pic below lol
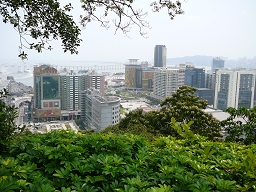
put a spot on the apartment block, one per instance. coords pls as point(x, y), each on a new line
point(234, 88)
point(167, 81)
point(194, 77)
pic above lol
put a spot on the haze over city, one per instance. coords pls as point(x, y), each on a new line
point(174, 110)
point(213, 28)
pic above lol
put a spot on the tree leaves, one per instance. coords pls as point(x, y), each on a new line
point(41, 20)
point(184, 106)
point(241, 125)
point(45, 20)
point(7, 124)
point(137, 165)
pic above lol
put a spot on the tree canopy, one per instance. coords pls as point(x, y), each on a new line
point(240, 125)
point(184, 106)
point(7, 124)
point(45, 20)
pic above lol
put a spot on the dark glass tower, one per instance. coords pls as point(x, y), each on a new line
point(160, 56)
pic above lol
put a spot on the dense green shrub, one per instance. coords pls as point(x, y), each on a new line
point(65, 161)
point(7, 124)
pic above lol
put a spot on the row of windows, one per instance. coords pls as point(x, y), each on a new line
point(115, 117)
point(113, 122)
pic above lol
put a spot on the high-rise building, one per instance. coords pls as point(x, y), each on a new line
point(234, 88)
point(167, 81)
point(217, 63)
point(99, 112)
point(71, 87)
point(194, 77)
point(139, 76)
point(160, 52)
point(47, 104)
point(205, 94)
point(96, 81)
point(147, 79)
point(57, 96)
point(133, 75)
point(209, 80)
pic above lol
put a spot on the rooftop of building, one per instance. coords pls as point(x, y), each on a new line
point(107, 99)
point(46, 127)
point(219, 114)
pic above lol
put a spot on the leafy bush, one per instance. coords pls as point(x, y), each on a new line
point(65, 161)
point(7, 124)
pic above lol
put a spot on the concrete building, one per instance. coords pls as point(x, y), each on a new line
point(139, 76)
point(133, 75)
point(209, 81)
point(47, 103)
point(96, 81)
point(194, 77)
point(99, 112)
point(234, 88)
point(160, 52)
point(217, 63)
point(205, 94)
point(71, 87)
point(148, 79)
point(167, 81)
point(58, 96)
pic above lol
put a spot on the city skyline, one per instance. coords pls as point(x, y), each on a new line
point(227, 32)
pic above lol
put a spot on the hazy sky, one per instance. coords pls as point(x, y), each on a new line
point(208, 27)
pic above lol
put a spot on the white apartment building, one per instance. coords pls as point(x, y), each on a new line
point(99, 112)
point(234, 88)
point(96, 81)
point(167, 81)
point(71, 87)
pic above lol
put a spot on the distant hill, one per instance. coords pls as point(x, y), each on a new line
point(206, 61)
point(197, 60)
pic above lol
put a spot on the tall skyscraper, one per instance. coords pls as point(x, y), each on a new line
point(160, 56)
point(234, 88)
point(217, 63)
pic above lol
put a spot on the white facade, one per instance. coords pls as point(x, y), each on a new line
point(99, 112)
point(71, 87)
point(167, 81)
point(105, 112)
point(234, 88)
